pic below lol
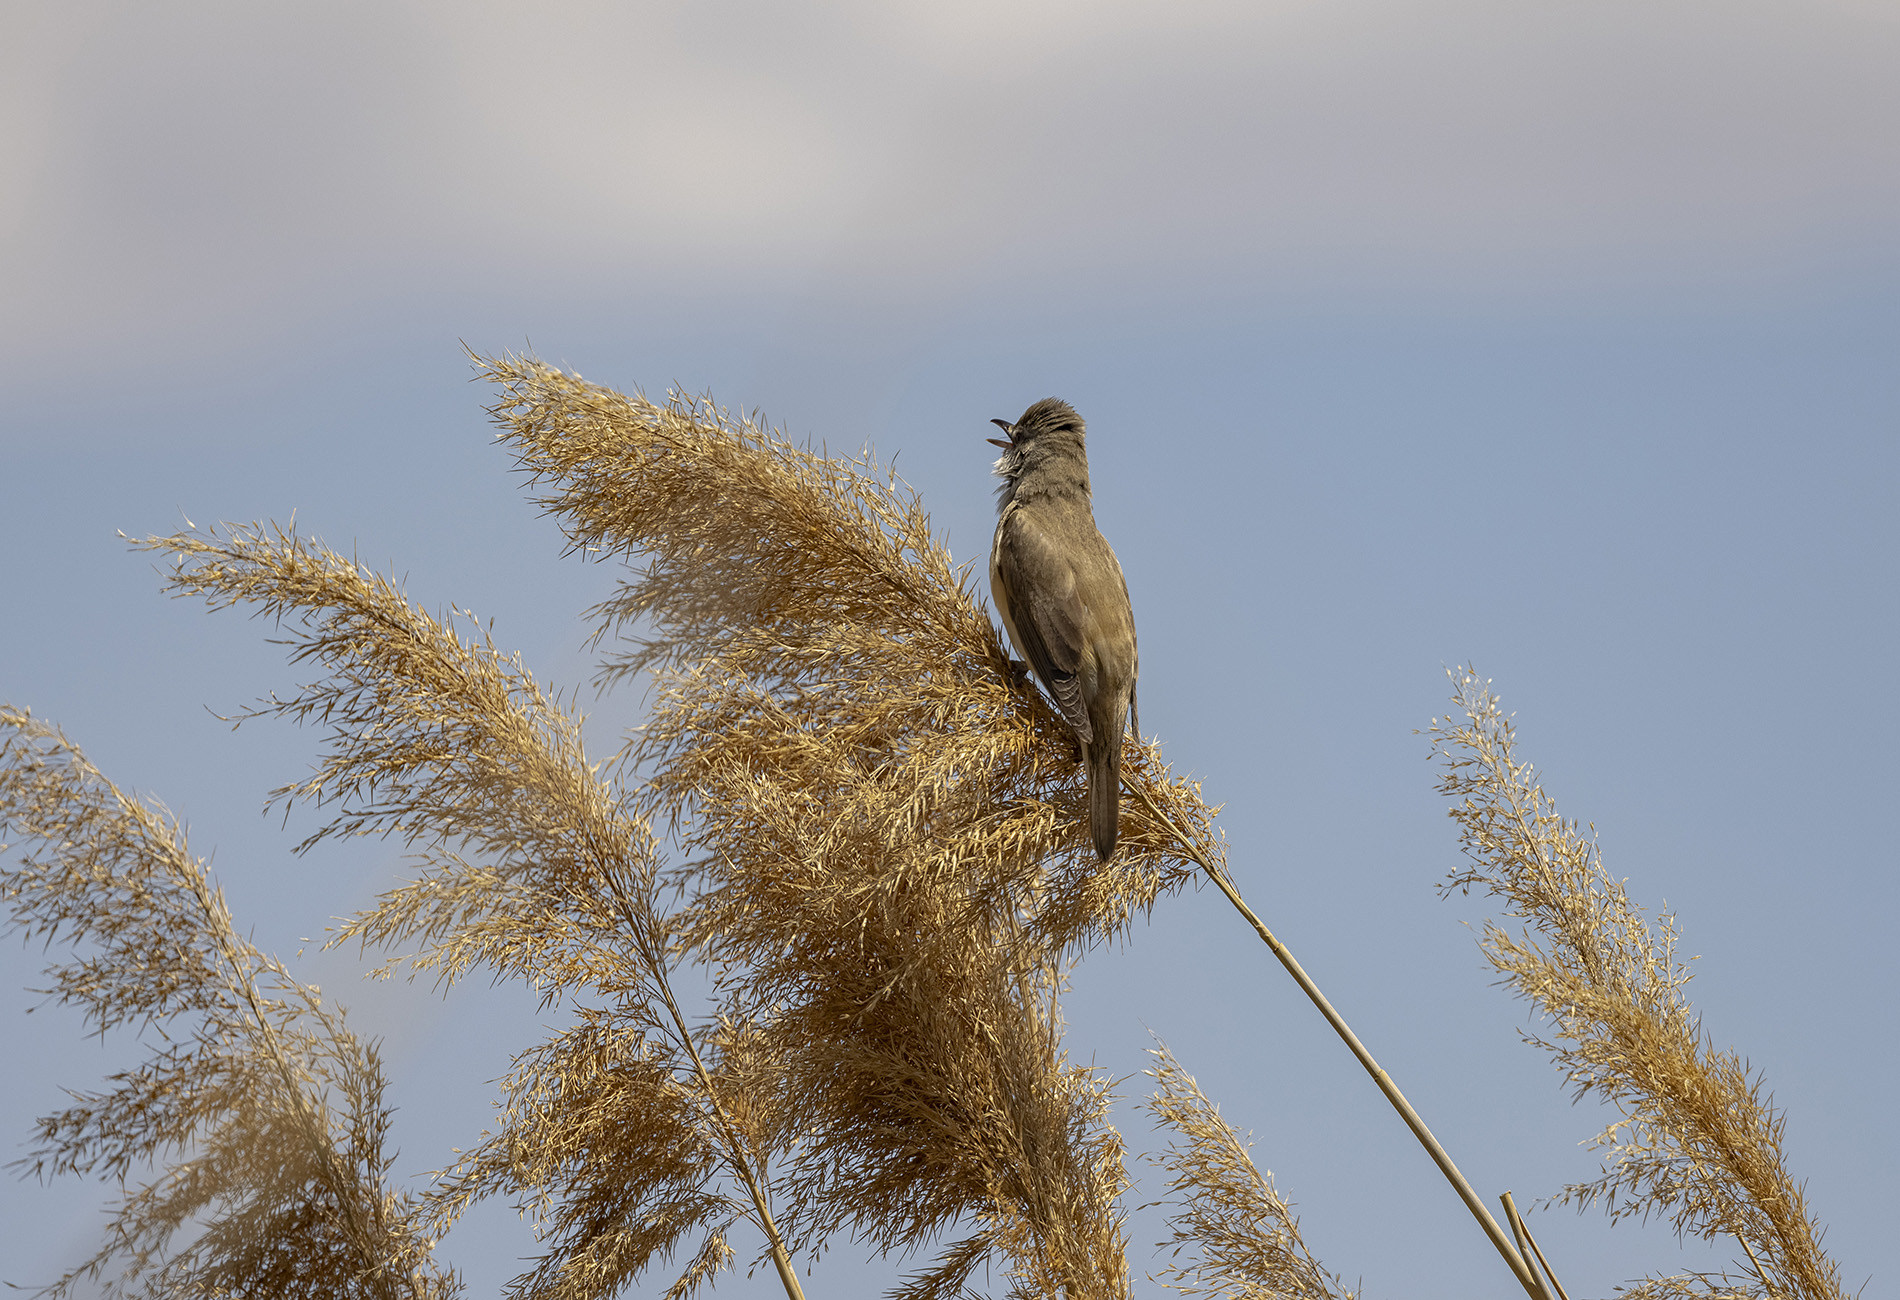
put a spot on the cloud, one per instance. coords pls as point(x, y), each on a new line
point(173, 169)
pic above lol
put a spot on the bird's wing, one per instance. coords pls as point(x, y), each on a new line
point(1046, 612)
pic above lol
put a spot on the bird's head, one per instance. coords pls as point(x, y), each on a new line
point(1049, 434)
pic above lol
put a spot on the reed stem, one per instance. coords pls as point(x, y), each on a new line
point(1526, 1276)
point(1527, 1246)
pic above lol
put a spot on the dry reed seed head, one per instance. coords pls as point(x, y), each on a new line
point(282, 1192)
point(801, 618)
point(533, 866)
point(1699, 1142)
point(1244, 1237)
point(930, 1092)
point(911, 1071)
point(447, 743)
point(601, 1141)
point(887, 835)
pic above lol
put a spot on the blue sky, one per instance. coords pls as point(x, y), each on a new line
point(1556, 338)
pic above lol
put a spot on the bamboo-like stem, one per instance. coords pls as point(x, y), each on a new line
point(1512, 1217)
point(1528, 1247)
point(1526, 1277)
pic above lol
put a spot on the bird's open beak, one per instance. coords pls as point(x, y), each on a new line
point(1007, 428)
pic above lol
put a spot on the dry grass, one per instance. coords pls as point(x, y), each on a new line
point(1699, 1142)
point(619, 1132)
point(825, 678)
point(264, 1110)
point(888, 853)
point(1244, 1239)
point(887, 864)
point(882, 859)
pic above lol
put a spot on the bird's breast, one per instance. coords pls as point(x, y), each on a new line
point(999, 590)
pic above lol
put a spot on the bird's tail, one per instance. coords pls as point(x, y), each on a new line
point(1105, 788)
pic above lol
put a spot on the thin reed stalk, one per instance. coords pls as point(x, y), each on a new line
point(1527, 1277)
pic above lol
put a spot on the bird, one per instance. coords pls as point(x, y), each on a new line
point(1064, 602)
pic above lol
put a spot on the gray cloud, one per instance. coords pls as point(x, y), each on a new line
point(180, 167)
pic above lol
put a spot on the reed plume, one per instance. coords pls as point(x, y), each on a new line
point(804, 628)
point(1243, 1237)
point(620, 1133)
point(885, 867)
point(886, 828)
point(266, 1111)
point(1699, 1141)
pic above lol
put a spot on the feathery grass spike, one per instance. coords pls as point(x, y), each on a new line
point(1243, 1235)
point(889, 864)
point(624, 1132)
point(265, 1111)
point(1699, 1142)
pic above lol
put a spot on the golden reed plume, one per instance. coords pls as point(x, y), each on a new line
point(889, 859)
point(1243, 1240)
point(1699, 1141)
point(619, 1131)
point(266, 1110)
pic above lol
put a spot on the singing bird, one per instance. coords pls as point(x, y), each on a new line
point(1062, 596)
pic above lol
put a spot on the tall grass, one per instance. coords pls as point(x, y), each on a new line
point(849, 812)
point(264, 1111)
point(1698, 1141)
point(1240, 1235)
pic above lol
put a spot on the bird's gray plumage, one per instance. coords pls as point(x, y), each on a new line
point(1062, 596)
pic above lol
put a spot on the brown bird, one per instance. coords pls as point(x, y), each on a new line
point(1062, 596)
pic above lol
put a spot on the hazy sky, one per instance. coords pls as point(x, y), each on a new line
point(1563, 338)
